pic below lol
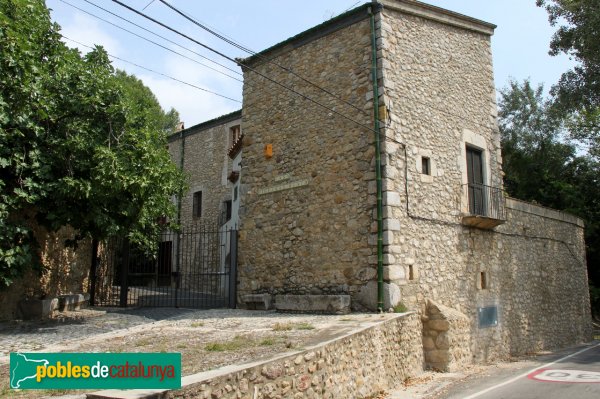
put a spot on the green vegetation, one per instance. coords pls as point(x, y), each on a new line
point(292, 326)
point(400, 308)
point(80, 144)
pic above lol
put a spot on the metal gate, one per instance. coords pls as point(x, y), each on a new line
point(192, 268)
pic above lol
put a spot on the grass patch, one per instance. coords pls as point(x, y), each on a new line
point(197, 324)
point(143, 342)
point(292, 326)
point(267, 342)
point(233, 345)
point(282, 327)
point(304, 326)
point(400, 308)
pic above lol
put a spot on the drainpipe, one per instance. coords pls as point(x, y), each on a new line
point(377, 165)
point(179, 200)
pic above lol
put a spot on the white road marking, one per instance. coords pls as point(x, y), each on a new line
point(569, 376)
point(477, 394)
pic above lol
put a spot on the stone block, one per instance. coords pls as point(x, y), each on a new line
point(258, 301)
point(367, 295)
point(37, 309)
point(438, 325)
point(73, 301)
point(330, 304)
point(437, 356)
point(394, 272)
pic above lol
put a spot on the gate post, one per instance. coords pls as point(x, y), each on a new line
point(233, 269)
point(124, 273)
point(93, 269)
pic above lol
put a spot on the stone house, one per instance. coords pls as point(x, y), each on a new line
point(490, 276)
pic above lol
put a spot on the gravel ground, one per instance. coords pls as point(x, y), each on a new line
point(207, 339)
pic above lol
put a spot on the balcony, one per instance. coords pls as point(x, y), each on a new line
point(486, 206)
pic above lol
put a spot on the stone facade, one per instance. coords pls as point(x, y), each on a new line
point(203, 148)
point(308, 210)
point(308, 195)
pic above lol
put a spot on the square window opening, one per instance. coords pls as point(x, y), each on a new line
point(426, 166)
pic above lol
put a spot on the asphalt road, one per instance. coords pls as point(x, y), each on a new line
point(573, 374)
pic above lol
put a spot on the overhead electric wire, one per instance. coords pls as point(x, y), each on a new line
point(162, 37)
point(156, 72)
point(151, 41)
point(245, 66)
point(258, 55)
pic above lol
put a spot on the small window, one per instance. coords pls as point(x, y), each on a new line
point(197, 204)
point(411, 272)
point(235, 133)
point(425, 166)
point(227, 210)
point(235, 193)
point(484, 282)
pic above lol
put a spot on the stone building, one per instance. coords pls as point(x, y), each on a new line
point(490, 276)
point(202, 151)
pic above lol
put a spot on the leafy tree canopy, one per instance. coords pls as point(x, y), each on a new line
point(540, 166)
point(578, 91)
point(80, 144)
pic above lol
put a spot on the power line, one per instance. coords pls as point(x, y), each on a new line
point(156, 72)
point(245, 66)
point(151, 41)
point(249, 51)
point(162, 37)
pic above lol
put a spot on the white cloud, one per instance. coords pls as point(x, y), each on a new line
point(86, 30)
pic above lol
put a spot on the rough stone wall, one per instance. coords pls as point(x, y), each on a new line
point(439, 93)
point(355, 366)
point(207, 165)
point(446, 338)
point(306, 211)
point(65, 271)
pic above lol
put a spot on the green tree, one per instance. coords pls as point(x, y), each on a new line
point(80, 145)
point(578, 91)
point(539, 166)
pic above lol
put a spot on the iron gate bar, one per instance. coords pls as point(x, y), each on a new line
point(204, 257)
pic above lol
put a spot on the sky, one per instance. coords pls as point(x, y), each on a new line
point(519, 45)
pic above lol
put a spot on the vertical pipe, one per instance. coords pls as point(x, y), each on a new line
point(233, 268)
point(178, 250)
point(377, 164)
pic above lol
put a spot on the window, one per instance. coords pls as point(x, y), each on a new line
point(197, 204)
point(425, 166)
point(235, 193)
point(234, 133)
point(483, 280)
point(227, 209)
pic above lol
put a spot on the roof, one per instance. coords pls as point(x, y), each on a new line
point(221, 120)
point(316, 32)
point(360, 13)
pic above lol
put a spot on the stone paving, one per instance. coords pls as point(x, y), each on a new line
point(73, 325)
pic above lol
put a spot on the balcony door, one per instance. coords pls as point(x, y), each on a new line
point(476, 188)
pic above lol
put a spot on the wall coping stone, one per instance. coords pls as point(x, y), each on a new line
point(538, 210)
point(439, 14)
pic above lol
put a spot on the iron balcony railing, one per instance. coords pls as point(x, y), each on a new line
point(486, 201)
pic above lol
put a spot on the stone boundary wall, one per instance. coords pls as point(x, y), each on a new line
point(375, 358)
point(65, 270)
point(538, 210)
